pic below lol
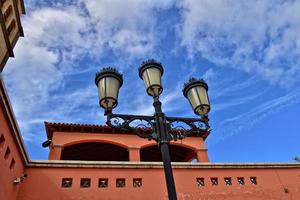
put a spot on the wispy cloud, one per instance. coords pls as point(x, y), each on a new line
point(258, 37)
point(233, 125)
point(68, 39)
point(234, 102)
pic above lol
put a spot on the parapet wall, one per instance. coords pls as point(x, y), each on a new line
point(144, 180)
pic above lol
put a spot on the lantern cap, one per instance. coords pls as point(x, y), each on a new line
point(192, 83)
point(109, 72)
point(150, 63)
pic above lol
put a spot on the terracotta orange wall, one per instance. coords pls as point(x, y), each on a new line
point(131, 142)
point(45, 183)
point(8, 190)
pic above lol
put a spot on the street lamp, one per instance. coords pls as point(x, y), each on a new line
point(108, 81)
point(196, 92)
point(151, 73)
point(163, 129)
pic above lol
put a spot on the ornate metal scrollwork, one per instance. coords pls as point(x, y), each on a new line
point(144, 126)
point(182, 127)
point(136, 123)
point(116, 122)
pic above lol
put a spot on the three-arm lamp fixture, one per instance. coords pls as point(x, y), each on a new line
point(163, 129)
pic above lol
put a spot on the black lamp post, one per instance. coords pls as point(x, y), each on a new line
point(164, 129)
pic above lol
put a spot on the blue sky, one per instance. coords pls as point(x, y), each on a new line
point(247, 51)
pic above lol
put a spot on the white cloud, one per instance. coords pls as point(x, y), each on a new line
point(260, 37)
point(125, 26)
point(52, 37)
point(57, 39)
point(32, 76)
point(132, 42)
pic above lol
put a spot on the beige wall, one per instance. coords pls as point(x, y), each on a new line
point(11, 28)
point(3, 48)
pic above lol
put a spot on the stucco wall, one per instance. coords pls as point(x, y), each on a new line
point(131, 142)
point(11, 164)
point(45, 183)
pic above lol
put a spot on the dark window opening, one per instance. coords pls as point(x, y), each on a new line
point(200, 182)
point(103, 183)
point(253, 180)
point(11, 27)
point(85, 182)
point(214, 181)
point(241, 180)
point(2, 2)
point(286, 190)
point(7, 153)
point(120, 182)
point(2, 141)
point(228, 181)
point(177, 154)
point(7, 13)
point(137, 182)
point(95, 151)
point(12, 164)
point(66, 182)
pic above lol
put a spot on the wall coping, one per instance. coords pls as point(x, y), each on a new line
point(151, 165)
